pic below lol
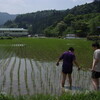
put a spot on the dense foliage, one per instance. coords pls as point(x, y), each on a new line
point(81, 20)
point(37, 22)
point(81, 25)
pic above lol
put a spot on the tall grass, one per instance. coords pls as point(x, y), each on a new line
point(65, 96)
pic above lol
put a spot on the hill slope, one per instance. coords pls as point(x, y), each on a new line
point(5, 16)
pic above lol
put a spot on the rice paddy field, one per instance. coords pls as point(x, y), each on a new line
point(28, 65)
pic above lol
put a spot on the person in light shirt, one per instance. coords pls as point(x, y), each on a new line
point(96, 66)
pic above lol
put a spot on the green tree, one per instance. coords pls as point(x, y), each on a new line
point(93, 24)
point(69, 18)
point(69, 30)
point(61, 26)
point(81, 28)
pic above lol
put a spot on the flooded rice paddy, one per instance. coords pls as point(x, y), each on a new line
point(21, 74)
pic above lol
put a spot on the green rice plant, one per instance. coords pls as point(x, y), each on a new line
point(47, 79)
point(41, 80)
point(4, 56)
point(3, 51)
point(5, 64)
point(3, 83)
point(25, 77)
point(11, 75)
point(33, 76)
point(50, 49)
point(19, 76)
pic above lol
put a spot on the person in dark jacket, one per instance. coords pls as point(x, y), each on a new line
point(68, 58)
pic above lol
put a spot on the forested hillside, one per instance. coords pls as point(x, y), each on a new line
point(81, 25)
point(38, 21)
point(82, 20)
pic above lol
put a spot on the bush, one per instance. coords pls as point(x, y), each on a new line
point(8, 37)
point(93, 38)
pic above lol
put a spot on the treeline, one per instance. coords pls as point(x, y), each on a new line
point(81, 20)
point(38, 21)
point(81, 25)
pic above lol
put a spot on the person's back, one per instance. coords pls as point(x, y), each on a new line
point(96, 66)
point(97, 56)
point(68, 57)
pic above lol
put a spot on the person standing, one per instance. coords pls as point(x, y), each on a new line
point(96, 66)
point(68, 58)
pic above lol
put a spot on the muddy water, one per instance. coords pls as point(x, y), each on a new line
point(26, 76)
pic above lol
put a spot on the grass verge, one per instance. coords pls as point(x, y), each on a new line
point(66, 96)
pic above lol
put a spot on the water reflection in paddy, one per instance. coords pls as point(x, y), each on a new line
point(26, 76)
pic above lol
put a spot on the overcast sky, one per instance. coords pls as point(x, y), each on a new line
point(27, 6)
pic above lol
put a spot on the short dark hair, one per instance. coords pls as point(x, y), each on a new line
point(96, 44)
point(71, 49)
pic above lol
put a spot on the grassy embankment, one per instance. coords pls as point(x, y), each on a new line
point(65, 96)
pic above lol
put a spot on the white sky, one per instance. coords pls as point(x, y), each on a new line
point(27, 6)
